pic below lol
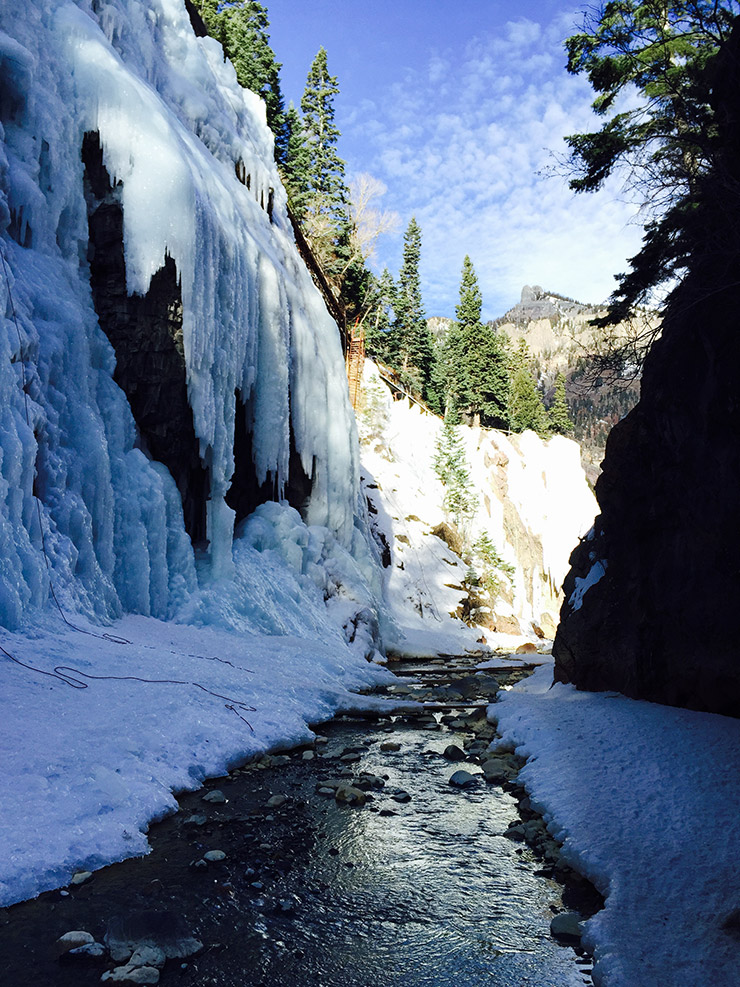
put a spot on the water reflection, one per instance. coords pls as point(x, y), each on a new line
point(429, 895)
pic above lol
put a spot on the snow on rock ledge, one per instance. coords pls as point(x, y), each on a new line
point(176, 132)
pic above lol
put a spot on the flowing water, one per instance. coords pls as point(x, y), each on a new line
point(416, 887)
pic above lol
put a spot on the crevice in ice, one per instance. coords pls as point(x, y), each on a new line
point(146, 334)
point(246, 493)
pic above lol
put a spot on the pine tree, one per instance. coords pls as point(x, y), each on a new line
point(526, 410)
point(380, 340)
point(415, 343)
point(559, 415)
point(326, 183)
point(661, 53)
point(477, 373)
point(242, 29)
point(450, 465)
point(296, 165)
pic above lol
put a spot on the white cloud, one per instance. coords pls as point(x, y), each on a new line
point(466, 147)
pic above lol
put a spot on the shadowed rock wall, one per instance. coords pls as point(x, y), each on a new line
point(660, 621)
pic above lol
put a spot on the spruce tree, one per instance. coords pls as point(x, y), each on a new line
point(526, 410)
point(477, 367)
point(559, 415)
point(451, 467)
point(415, 343)
point(380, 340)
point(295, 168)
point(325, 173)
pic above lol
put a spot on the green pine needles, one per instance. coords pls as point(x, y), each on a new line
point(450, 465)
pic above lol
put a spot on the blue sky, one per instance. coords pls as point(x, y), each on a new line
point(460, 107)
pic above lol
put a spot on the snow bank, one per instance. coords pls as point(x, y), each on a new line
point(167, 710)
point(645, 798)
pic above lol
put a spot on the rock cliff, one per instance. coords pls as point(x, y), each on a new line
point(653, 591)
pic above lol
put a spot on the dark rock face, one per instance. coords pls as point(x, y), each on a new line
point(660, 622)
point(146, 334)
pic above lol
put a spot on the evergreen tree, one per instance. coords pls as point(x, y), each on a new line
point(477, 373)
point(450, 465)
point(325, 173)
point(662, 51)
point(380, 340)
point(242, 29)
point(559, 415)
point(526, 410)
point(415, 342)
point(295, 167)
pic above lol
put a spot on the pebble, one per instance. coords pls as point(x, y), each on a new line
point(195, 820)
point(308, 756)
point(80, 876)
point(147, 955)
point(461, 779)
point(275, 801)
point(401, 796)
point(216, 796)
point(213, 856)
point(390, 745)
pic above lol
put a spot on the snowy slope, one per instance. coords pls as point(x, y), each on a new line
point(645, 798)
point(532, 500)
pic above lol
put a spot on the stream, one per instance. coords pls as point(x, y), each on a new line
point(415, 886)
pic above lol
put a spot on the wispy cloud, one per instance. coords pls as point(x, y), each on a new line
point(468, 146)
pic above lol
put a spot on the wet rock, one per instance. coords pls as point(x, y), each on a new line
point(461, 779)
point(280, 760)
point(164, 929)
point(72, 940)
point(217, 797)
point(401, 796)
point(390, 745)
point(148, 956)
point(214, 856)
point(275, 801)
point(516, 833)
point(350, 795)
point(195, 820)
point(567, 926)
point(325, 790)
point(132, 975)
point(80, 876)
point(91, 952)
point(308, 756)
point(496, 770)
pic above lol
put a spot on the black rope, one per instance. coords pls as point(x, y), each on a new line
point(72, 677)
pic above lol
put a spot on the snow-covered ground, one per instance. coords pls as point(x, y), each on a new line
point(646, 799)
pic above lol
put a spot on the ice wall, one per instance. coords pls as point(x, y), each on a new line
point(176, 131)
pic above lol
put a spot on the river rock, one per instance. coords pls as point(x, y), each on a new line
point(91, 952)
point(308, 756)
point(275, 801)
point(132, 975)
point(80, 876)
point(567, 925)
point(216, 797)
point(165, 929)
point(148, 956)
point(401, 796)
point(461, 779)
point(496, 770)
point(71, 940)
point(196, 820)
point(390, 745)
point(214, 856)
point(350, 795)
